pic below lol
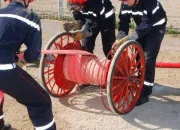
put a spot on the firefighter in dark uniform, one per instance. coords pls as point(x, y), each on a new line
point(95, 16)
point(20, 25)
point(150, 18)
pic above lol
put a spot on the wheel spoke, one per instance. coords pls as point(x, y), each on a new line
point(118, 96)
point(48, 71)
point(131, 92)
point(135, 71)
point(53, 86)
point(125, 65)
point(136, 79)
point(50, 79)
point(134, 56)
point(120, 70)
point(67, 39)
point(56, 46)
point(119, 78)
point(127, 96)
point(49, 62)
point(133, 85)
point(117, 86)
point(139, 61)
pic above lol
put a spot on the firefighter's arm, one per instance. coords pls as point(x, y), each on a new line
point(148, 17)
point(124, 20)
point(33, 42)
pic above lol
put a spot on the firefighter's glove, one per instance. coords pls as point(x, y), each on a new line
point(81, 34)
point(121, 34)
point(118, 43)
point(72, 26)
point(78, 35)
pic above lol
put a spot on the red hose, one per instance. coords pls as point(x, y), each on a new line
point(167, 65)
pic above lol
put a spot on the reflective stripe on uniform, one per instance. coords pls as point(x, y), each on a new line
point(27, 21)
point(108, 14)
point(46, 126)
point(145, 12)
point(133, 13)
point(148, 83)
point(160, 22)
point(7, 66)
point(88, 13)
point(102, 11)
point(154, 10)
point(137, 13)
point(126, 12)
point(1, 117)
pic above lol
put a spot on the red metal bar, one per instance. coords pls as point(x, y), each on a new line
point(67, 52)
point(167, 65)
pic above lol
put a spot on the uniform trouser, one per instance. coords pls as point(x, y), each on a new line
point(107, 34)
point(21, 86)
point(151, 44)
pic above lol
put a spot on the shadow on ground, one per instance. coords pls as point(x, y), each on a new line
point(87, 100)
point(161, 112)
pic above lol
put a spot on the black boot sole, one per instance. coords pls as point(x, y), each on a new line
point(142, 101)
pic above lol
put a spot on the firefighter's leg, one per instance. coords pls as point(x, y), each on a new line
point(89, 42)
point(20, 85)
point(108, 34)
point(151, 50)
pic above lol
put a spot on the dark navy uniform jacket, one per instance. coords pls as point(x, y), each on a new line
point(147, 14)
point(18, 26)
point(95, 14)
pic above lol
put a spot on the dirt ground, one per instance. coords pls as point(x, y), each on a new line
point(84, 110)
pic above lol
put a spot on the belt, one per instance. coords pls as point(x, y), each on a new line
point(7, 66)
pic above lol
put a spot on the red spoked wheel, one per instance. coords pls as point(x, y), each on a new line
point(52, 77)
point(125, 77)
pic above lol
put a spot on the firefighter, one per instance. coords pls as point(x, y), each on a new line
point(93, 17)
point(150, 19)
point(20, 25)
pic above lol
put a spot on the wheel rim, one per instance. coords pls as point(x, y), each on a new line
point(126, 78)
point(51, 66)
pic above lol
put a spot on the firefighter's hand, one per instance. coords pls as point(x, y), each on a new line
point(72, 26)
point(117, 44)
point(78, 35)
point(20, 55)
